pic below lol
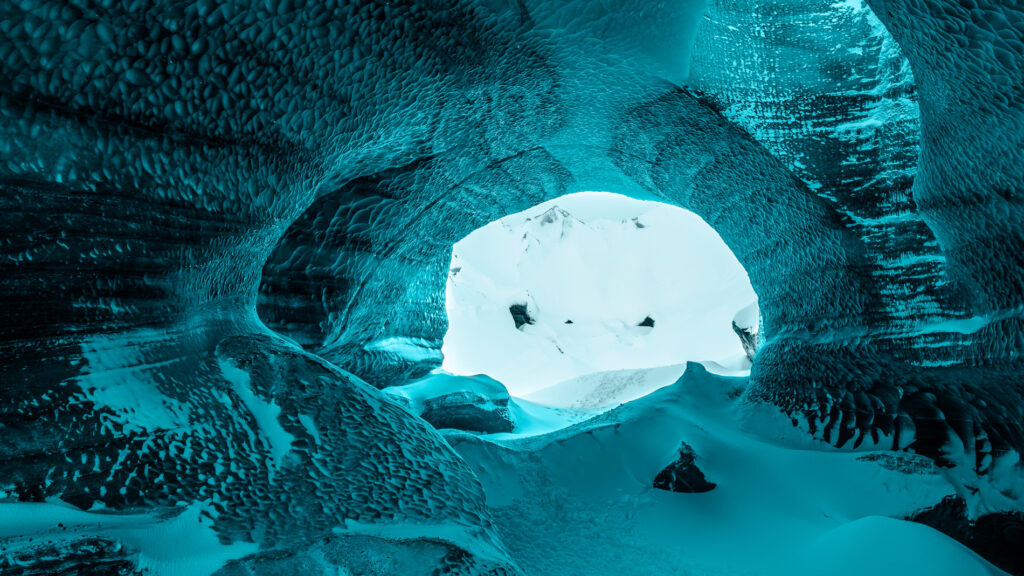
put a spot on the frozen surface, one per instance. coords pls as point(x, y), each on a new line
point(586, 493)
point(607, 388)
point(269, 432)
point(879, 545)
point(602, 292)
point(181, 545)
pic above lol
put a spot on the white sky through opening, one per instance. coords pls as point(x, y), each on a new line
point(592, 269)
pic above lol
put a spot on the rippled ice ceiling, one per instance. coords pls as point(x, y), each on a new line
point(228, 226)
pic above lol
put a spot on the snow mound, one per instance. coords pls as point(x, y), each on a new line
point(880, 545)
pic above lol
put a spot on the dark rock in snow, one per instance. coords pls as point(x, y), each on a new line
point(902, 462)
point(997, 537)
point(747, 338)
point(683, 475)
point(470, 403)
point(87, 556)
point(520, 315)
point(747, 325)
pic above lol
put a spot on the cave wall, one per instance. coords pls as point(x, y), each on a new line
point(827, 90)
point(967, 60)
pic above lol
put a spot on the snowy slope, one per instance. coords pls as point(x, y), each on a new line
point(579, 501)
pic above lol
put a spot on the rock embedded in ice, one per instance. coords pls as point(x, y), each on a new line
point(995, 536)
point(683, 475)
point(471, 403)
point(746, 325)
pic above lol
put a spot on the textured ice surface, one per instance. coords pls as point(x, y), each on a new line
point(172, 170)
point(291, 456)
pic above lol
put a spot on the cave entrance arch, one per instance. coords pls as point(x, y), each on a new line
point(595, 298)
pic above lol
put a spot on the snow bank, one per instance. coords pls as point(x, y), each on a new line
point(581, 500)
point(879, 545)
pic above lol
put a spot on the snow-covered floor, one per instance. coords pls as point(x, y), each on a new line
point(571, 492)
point(579, 500)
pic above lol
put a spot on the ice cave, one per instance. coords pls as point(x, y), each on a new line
point(511, 287)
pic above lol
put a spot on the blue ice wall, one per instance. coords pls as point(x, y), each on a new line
point(969, 79)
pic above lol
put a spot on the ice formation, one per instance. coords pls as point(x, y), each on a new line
point(228, 226)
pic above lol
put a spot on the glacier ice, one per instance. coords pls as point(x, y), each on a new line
point(228, 226)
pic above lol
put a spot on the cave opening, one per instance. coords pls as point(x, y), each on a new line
point(595, 298)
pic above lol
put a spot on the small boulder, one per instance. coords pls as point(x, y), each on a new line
point(746, 325)
point(520, 315)
point(471, 403)
point(683, 475)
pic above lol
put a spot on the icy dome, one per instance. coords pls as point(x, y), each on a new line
point(228, 226)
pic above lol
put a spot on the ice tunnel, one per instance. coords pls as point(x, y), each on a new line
point(228, 232)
